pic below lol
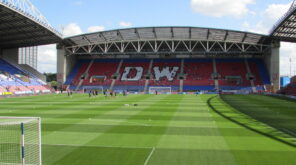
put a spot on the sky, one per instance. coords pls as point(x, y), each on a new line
point(73, 17)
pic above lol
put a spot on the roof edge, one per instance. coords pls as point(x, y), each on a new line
point(228, 30)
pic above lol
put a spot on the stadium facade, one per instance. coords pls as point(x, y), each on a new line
point(28, 56)
point(183, 58)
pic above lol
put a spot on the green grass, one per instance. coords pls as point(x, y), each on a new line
point(275, 111)
point(161, 130)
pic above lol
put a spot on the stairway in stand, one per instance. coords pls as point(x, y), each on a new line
point(81, 81)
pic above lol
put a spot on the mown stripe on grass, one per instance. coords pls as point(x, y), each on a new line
point(142, 128)
point(249, 123)
point(101, 137)
point(191, 140)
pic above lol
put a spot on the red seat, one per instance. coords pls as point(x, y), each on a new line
point(232, 69)
point(198, 73)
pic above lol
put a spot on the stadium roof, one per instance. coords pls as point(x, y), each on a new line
point(167, 33)
point(167, 41)
point(285, 28)
point(21, 25)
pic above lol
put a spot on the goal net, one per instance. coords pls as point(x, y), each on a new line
point(160, 90)
point(100, 89)
point(20, 141)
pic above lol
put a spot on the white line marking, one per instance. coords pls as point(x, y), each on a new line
point(74, 145)
point(116, 121)
point(149, 156)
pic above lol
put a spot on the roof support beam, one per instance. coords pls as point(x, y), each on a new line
point(137, 33)
point(31, 37)
point(12, 21)
point(289, 26)
point(225, 37)
point(85, 38)
point(169, 33)
point(21, 42)
point(154, 33)
point(208, 34)
point(102, 36)
point(20, 34)
point(244, 38)
point(2, 15)
point(120, 35)
point(172, 47)
point(190, 33)
point(286, 33)
point(4, 30)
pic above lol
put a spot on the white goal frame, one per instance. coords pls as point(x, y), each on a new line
point(101, 88)
point(22, 123)
point(160, 90)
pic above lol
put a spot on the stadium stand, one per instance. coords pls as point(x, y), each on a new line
point(233, 73)
point(165, 73)
point(289, 89)
point(196, 74)
point(16, 81)
point(133, 75)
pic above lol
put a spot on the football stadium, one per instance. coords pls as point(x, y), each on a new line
point(158, 95)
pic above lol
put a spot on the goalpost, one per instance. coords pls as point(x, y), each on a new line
point(160, 90)
point(100, 89)
point(20, 141)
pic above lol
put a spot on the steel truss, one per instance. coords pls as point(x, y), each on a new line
point(169, 47)
point(26, 8)
point(285, 27)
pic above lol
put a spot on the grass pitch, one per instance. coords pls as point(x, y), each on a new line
point(162, 129)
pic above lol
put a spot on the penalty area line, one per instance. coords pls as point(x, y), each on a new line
point(95, 146)
point(149, 156)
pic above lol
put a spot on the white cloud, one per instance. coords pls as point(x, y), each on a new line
point(269, 17)
point(287, 51)
point(95, 29)
point(259, 27)
point(220, 8)
point(71, 30)
point(47, 55)
point(47, 58)
point(276, 11)
point(125, 24)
